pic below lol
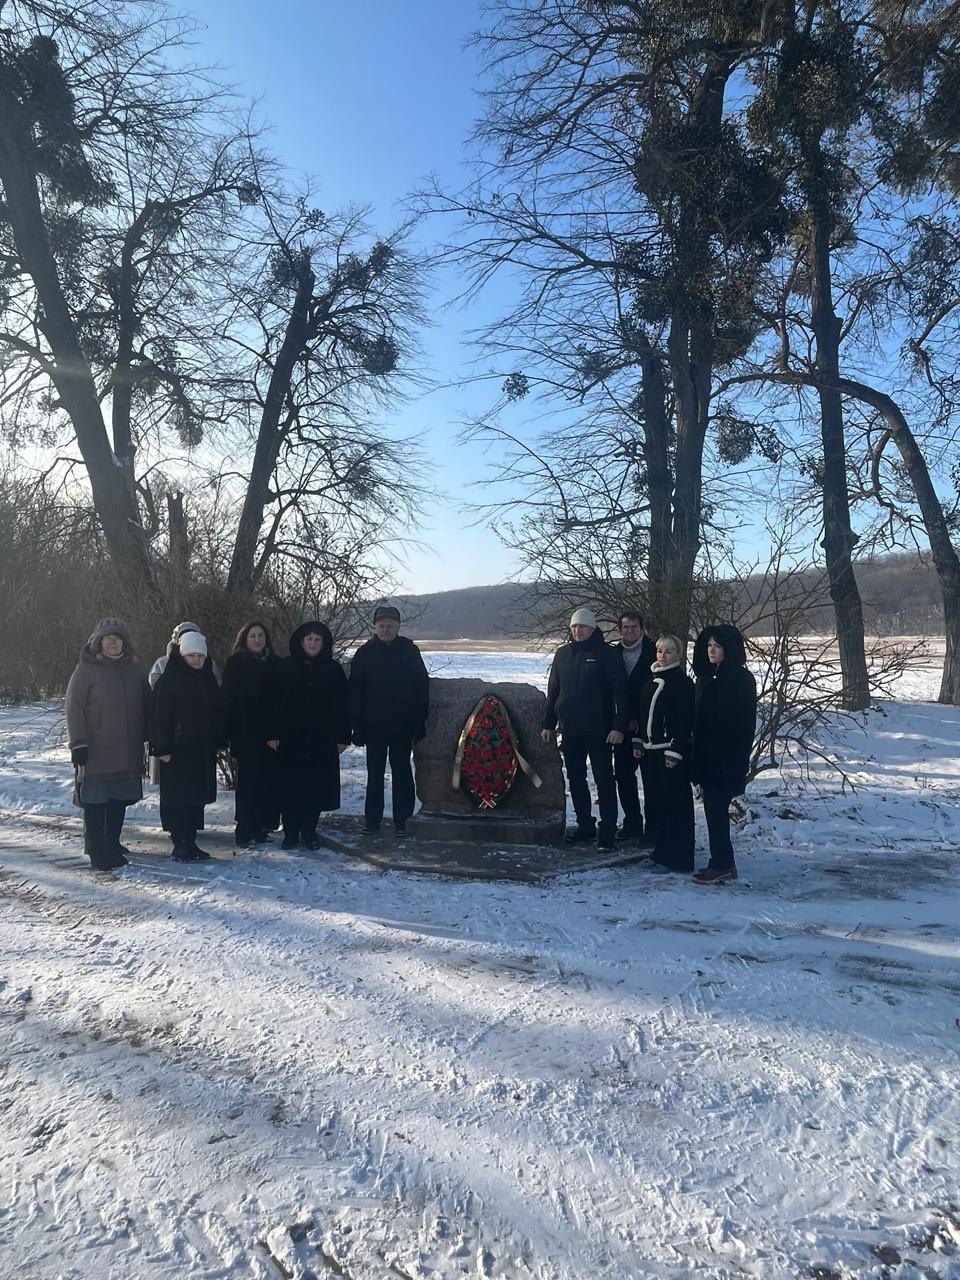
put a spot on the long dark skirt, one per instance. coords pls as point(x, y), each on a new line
point(670, 822)
point(257, 799)
point(180, 819)
point(311, 786)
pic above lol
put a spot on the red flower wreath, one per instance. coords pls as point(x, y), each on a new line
point(489, 761)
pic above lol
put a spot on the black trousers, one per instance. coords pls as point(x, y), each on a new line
point(669, 800)
point(576, 750)
point(257, 798)
point(716, 810)
point(625, 766)
point(102, 824)
point(300, 818)
point(398, 750)
point(181, 821)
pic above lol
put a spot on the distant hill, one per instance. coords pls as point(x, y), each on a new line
point(900, 593)
point(497, 612)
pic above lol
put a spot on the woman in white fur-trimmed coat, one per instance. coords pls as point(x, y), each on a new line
point(662, 745)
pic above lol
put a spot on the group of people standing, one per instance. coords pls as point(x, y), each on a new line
point(624, 707)
point(286, 722)
point(633, 706)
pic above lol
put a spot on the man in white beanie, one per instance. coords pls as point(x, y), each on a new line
point(587, 697)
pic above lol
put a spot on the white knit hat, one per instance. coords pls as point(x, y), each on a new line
point(193, 642)
point(583, 618)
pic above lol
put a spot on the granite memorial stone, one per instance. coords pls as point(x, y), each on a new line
point(526, 814)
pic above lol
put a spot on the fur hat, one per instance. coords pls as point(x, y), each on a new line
point(192, 642)
point(583, 618)
point(110, 627)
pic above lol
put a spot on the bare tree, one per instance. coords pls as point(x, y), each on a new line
point(333, 311)
point(115, 188)
point(621, 190)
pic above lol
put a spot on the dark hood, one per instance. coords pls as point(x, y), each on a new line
point(734, 650)
point(296, 641)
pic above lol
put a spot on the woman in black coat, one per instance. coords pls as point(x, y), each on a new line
point(662, 745)
point(725, 724)
point(315, 730)
point(188, 730)
point(252, 694)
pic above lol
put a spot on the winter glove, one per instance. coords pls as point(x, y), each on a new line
point(79, 756)
point(359, 738)
point(419, 733)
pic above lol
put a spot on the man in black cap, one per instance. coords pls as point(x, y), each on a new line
point(389, 700)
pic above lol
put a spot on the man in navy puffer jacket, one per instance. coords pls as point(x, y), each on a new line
point(587, 697)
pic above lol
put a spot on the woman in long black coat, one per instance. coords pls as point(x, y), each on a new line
point(253, 694)
point(314, 732)
point(725, 724)
point(188, 730)
point(662, 745)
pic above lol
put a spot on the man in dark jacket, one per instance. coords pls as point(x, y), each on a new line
point(638, 653)
point(389, 701)
point(587, 695)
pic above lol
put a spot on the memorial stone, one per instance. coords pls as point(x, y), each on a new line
point(527, 814)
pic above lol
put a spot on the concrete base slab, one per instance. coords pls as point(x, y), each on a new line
point(472, 860)
point(527, 863)
point(492, 829)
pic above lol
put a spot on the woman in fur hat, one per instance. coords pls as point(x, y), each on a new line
point(107, 709)
point(725, 724)
point(188, 732)
point(314, 733)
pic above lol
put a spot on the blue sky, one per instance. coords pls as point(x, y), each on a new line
point(370, 98)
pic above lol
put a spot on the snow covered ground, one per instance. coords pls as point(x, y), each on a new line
point(287, 1065)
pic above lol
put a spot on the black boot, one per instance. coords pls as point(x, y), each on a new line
point(114, 852)
point(183, 851)
point(584, 834)
point(94, 837)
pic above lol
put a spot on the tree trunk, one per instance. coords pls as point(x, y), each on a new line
point(946, 562)
point(945, 558)
point(69, 369)
point(656, 457)
point(242, 579)
point(690, 347)
point(838, 539)
point(179, 550)
point(691, 400)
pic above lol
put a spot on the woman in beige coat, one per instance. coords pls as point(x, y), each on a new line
point(108, 703)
